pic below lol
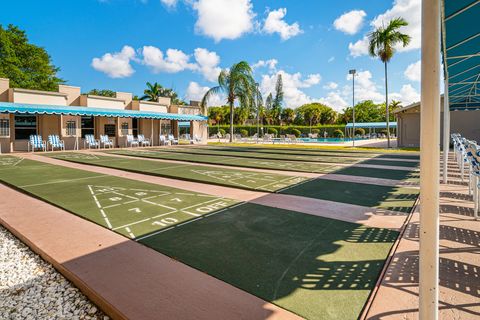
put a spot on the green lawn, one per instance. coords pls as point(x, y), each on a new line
point(297, 166)
point(213, 175)
point(316, 267)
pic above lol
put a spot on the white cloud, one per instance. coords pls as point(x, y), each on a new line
point(275, 24)
point(292, 83)
point(174, 61)
point(224, 19)
point(207, 63)
point(334, 100)
point(359, 48)
point(331, 86)
point(350, 22)
point(410, 10)
point(413, 71)
point(196, 92)
point(169, 3)
point(365, 88)
point(116, 65)
point(271, 64)
point(407, 95)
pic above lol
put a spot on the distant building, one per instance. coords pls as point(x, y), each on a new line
point(72, 115)
point(467, 123)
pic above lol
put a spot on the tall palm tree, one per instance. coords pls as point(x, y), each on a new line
point(152, 92)
point(237, 84)
point(382, 43)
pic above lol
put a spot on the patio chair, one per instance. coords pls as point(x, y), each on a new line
point(172, 139)
point(36, 142)
point(131, 141)
point(473, 154)
point(106, 141)
point(90, 142)
point(55, 142)
point(197, 139)
point(143, 141)
point(162, 140)
point(188, 137)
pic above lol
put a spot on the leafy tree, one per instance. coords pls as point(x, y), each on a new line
point(25, 64)
point(382, 43)
point(237, 84)
point(288, 116)
point(103, 93)
point(278, 100)
point(268, 108)
point(365, 111)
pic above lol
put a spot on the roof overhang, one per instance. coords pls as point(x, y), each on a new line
point(461, 52)
point(24, 108)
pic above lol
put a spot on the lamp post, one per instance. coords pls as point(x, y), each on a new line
point(353, 72)
point(258, 110)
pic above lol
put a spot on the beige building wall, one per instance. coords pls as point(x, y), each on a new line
point(152, 106)
point(38, 97)
point(103, 102)
point(122, 138)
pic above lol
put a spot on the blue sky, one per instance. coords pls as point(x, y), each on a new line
point(121, 44)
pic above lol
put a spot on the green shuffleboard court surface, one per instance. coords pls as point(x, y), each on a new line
point(367, 195)
point(220, 176)
point(125, 206)
point(295, 166)
point(332, 151)
point(316, 267)
point(288, 157)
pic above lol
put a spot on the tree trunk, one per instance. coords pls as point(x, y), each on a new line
point(386, 106)
point(231, 121)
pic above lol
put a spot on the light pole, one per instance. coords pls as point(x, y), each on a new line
point(353, 72)
point(258, 110)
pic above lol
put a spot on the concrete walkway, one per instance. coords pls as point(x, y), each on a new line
point(397, 297)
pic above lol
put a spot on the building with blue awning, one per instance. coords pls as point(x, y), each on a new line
point(72, 115)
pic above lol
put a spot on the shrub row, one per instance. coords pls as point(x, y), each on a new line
point(278, 130)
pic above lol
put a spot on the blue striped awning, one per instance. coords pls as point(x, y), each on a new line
point(25, 108)
point(461, 52)
point(372, 125)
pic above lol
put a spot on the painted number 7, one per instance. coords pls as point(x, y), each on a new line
point(135, 210)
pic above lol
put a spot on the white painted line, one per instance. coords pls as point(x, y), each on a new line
point(62, 181)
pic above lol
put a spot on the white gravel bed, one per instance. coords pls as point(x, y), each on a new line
point(31, 288)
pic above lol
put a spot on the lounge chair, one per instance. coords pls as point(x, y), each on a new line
point(90, 142)
point(36, 142)
point(172, 139)
point(55, 142)
point(163, 141)
point(106, 141)
point(131, 141)
point(143, 141)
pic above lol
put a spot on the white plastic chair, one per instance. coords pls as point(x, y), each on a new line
point(106, 141)
point(90, 141)
point(143, 141)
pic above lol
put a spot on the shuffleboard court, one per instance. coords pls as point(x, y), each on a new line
point(219, 176)
point(289, 157)
point(316, 267)
point(320, 150)
point(367, 195)
point(125, 206)
point(294, 166)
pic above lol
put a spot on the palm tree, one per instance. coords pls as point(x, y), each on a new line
point(382, 43)
point(235, 83)
point(152, 92)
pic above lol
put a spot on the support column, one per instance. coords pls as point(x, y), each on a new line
point(446, 131)
point(429, 160)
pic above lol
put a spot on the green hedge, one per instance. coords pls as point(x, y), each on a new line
point(281, 130)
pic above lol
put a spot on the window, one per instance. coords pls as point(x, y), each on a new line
point(109, 130)
point(25, 125)
point(4, 127)
point(88, 125)
point(71, 128)
point(165, 128)
point(124, 128)
point(135, 126)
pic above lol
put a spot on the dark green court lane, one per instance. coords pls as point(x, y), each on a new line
point(339, 152)
point(316, 267)
point(367, 195)
point(294, 166)
point(213, 175)
point(289, 157)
